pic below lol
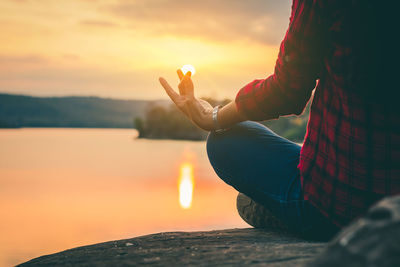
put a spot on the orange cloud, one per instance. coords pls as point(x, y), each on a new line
point(119, 48)
point(257, 20)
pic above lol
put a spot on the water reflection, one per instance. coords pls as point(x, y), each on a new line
point(186, 185)
point(62, 188)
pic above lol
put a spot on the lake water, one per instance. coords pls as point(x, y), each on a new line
point(62, 188)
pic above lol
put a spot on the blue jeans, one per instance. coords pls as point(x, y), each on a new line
point(263, 166)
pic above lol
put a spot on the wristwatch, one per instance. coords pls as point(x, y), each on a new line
point(217, 127)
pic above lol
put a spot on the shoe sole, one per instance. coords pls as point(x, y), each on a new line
point(256, 214)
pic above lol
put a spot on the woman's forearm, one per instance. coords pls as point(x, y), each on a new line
point(229, 115)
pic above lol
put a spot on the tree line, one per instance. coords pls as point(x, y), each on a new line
point(168, 122)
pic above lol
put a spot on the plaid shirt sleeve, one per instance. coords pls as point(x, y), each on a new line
point(296, 71)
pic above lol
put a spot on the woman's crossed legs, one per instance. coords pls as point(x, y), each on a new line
point(263, 166)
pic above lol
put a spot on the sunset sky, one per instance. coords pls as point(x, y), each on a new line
point(118, 49)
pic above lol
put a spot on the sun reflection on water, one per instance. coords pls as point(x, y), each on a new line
point(186, 185)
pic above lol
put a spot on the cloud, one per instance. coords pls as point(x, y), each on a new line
point(73, 57)
point(10, 61)
point(259, 20)
point(19, 1)
point(98, 23)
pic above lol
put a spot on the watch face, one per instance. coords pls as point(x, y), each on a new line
point(214, 117)
point(219, 130)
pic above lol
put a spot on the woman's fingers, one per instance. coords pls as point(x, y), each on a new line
point(180, 101)
point(188, 84)
point(180, 74)
point(170, 92)
point(181, 86)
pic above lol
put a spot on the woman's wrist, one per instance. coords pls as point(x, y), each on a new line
point(228, 115)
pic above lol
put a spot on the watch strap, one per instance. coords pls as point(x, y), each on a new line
point(217, 126)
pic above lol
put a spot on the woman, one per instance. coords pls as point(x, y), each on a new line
point(350, 155)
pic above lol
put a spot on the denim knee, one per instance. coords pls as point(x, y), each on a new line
point(213, 147)
point(218, 144)
point(224, 142)
point(223, 151)
point(218, 150)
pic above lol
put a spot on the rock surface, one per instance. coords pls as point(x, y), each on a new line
point(373, 240)
point(243, 247)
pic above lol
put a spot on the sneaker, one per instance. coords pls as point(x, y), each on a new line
point(256, 214)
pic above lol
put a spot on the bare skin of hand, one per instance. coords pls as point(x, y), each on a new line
point(198, 110)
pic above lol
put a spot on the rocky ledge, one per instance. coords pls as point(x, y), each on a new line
point(227, 247)
point(370, 241)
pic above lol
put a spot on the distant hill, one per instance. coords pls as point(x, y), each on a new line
point(87, 112)
point(154, 119)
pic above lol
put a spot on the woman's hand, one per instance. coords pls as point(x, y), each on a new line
point(197, 110)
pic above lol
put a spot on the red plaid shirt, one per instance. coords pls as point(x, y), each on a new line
point(350, 156)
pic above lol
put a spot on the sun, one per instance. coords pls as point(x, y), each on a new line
point(186, 68)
